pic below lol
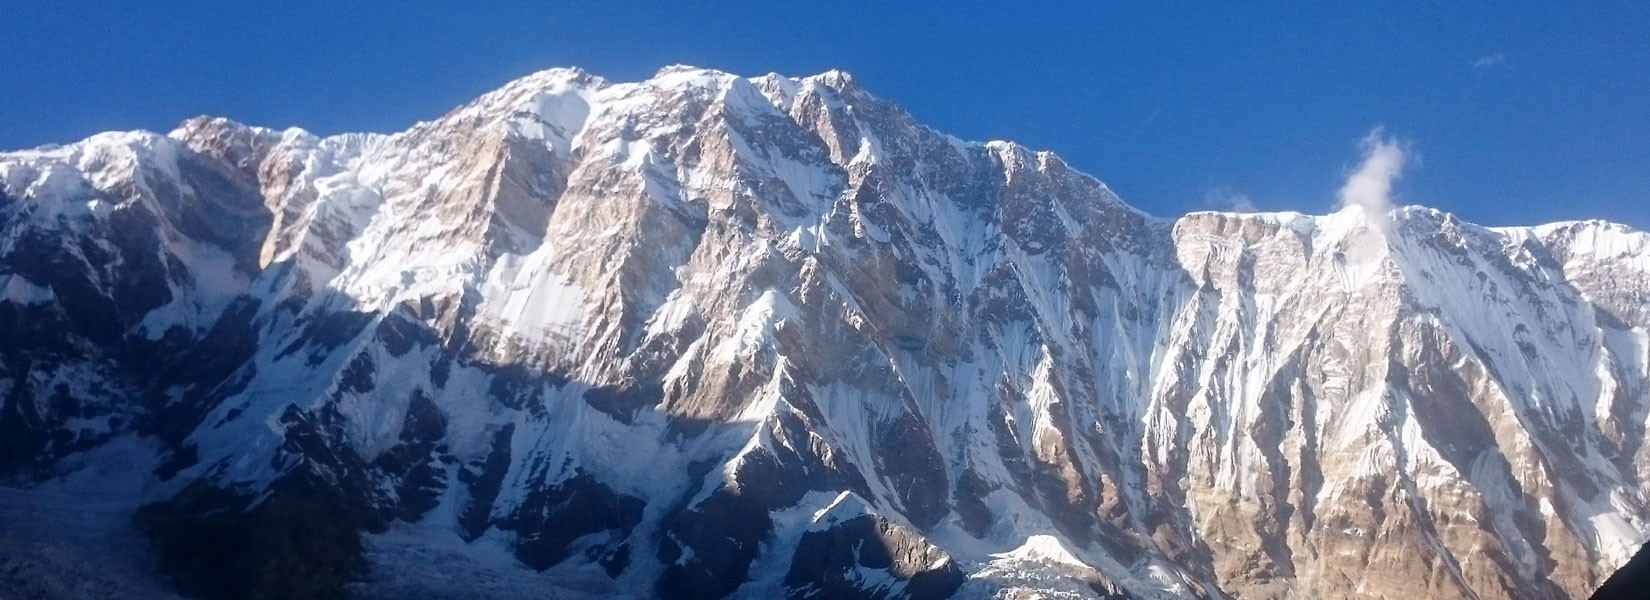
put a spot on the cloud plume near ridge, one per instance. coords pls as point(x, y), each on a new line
point(1369, 186)
point(1225, 198)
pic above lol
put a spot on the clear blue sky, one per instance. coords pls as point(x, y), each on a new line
point(1519, 114)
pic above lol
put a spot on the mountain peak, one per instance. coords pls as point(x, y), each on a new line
point(236, 143)
point(675, 75)
point(836, 79)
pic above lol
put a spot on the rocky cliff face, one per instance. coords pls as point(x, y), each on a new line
point(708, 336)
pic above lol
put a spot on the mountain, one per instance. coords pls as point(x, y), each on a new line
point(708, 336)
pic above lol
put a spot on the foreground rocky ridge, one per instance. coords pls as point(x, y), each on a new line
point(706, 336)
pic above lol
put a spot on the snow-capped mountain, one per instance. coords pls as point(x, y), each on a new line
point(708, 336)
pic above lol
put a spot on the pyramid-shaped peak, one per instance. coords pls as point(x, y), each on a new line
point(838, 80)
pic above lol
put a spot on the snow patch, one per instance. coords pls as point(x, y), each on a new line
point(17, 290)
point(526, 298)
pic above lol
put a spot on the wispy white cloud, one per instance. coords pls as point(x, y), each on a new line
point(1152, 118)
point(1226, 198)
point(1489, 61)
point(1369, 186)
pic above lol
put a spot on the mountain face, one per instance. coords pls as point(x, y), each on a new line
point(706, 336)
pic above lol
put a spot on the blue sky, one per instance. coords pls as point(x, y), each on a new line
point(1509, 114)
